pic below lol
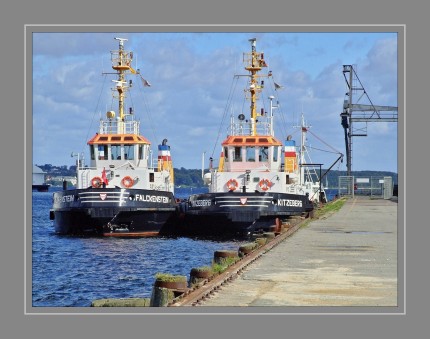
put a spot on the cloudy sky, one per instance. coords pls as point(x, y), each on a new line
point(191, 75)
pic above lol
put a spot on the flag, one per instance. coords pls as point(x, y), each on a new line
point(277, 86)
point(145, 83)
point(104, 178)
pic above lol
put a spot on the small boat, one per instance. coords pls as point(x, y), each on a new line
point(310, 178)
point(122, 192)
point(257, 180)
point(39, 183)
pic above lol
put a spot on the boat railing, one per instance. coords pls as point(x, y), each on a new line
point(121, 59)
point(245, 128)
point(83, 176)
point(119, 127)
point(214, 180)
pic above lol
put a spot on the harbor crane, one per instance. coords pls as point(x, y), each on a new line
point(356, 114)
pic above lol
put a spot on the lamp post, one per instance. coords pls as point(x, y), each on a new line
point(203, 164)
point(78, 155)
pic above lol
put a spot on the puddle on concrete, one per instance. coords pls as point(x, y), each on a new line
point(345, 248)
point(322, 230)
point(352, 232)
point(367, 232)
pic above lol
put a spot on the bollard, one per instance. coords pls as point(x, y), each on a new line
point(223, 259)
point(221, 256)
point(247, 248)
point(256, 235)
point(161, 296)
point(278, 224)
point(269, 235)
point(199, 274)
point(261, 241)
point(166, 288)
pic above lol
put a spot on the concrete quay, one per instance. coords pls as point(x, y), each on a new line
point(346, 259)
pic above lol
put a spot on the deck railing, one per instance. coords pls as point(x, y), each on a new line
point(119, 127)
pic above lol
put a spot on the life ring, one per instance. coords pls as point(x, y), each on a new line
point(232, 184)
point(127, 181)
point(96, 182)
point(265, 184)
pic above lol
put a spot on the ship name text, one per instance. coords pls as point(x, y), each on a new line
point(289, 202)
point(65, 198)
point(198, 203)
point(152, 198)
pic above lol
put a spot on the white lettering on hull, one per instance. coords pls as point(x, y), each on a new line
point(289, 202)
point(199, 203)
point(65, 198)
point(152, 198)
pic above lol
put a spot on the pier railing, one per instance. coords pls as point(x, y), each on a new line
point(373, 186)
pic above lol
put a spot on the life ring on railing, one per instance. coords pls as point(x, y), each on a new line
point(96, 182)
point(127, 181)
point(265, 184)
point(232, 184)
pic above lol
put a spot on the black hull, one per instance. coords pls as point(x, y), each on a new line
point(41, 188)
point(112, 212)
point(219, 214)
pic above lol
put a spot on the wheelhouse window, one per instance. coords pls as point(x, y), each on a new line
point(115, 151)
point(237, 156)
point(250, 153)
point(263, 154)
point(140, 152)
point(103, 152)
point(129, 152)
point(92, 153)
point(226, 153)
point(275, 153)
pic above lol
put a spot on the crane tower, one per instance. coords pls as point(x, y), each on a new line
point(356, 114)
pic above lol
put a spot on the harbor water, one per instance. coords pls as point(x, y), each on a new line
point(73, 271)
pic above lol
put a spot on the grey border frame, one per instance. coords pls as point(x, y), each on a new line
point(401, 219)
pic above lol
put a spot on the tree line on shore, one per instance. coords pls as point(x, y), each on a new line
point(193, 177)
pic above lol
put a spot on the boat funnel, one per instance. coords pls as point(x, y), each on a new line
point(164, 159)
point(290, 160)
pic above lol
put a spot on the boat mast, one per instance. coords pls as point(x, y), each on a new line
point(303, 150)
point(121, 62)
point(272, 132)
point(303, 129)
point(255, 61)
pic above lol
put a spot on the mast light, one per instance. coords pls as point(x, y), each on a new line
point(121, 41)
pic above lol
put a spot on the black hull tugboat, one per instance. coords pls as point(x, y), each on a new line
point(121, 193)
point(256, 182)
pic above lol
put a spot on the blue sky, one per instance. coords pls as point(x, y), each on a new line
point(190, 76)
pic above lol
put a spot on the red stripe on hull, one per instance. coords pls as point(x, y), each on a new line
point(132, 234)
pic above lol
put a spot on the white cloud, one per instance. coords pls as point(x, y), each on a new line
point(196, 131)
point(191, 77)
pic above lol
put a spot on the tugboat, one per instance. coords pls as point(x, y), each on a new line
point(121, 193)
point(39, 183)
point(252, 187)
